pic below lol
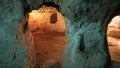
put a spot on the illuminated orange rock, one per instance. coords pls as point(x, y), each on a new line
point(114, 27)
point(40, 20)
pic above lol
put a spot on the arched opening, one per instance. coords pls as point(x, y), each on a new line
point(47, 26)
point(113, 36)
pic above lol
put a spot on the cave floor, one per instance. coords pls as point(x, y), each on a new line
point(49, 49)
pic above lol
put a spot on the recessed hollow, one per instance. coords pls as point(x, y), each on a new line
point(48, 29)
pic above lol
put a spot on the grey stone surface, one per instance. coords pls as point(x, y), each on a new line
point(12, 47)
point(86, 33)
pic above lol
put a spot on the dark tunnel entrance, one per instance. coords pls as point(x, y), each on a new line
point(113, 36)
point(48, 29)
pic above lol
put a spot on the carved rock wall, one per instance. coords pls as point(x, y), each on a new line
point(86, 32)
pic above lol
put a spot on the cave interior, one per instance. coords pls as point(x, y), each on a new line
point(60, 34)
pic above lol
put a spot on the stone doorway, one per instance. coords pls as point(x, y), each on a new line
point(47, 26)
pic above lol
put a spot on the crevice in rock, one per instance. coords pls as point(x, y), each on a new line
point(26, 7)
point(50, 4)
point(14, 57)
point(25, 26)
point(82, 44)
point(17, 37)
point(53, 18)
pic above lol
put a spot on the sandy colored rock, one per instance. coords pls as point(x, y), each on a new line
point(114, 27)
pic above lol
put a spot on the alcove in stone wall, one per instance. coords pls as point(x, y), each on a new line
point(47, 27)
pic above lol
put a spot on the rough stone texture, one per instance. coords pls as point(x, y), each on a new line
point(28, 40)
point(86, 32)
point(48, 34)
point(113, 31)
point(14, 51)
point(12, 48)
point(114, 28)
point(40, 20)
